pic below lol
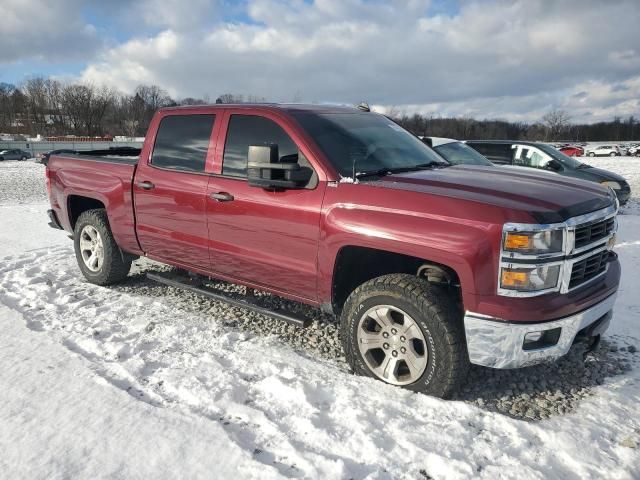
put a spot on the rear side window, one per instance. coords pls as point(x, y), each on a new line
point(182, 142)
point(246, 130)
point(496, 152)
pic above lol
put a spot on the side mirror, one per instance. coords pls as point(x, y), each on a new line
point(553, 165)
point(266, 169)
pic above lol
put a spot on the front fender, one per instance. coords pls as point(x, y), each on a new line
point(468, 247)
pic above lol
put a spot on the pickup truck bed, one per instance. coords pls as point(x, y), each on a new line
point(94, 178)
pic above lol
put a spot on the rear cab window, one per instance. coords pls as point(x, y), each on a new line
point(182, 142)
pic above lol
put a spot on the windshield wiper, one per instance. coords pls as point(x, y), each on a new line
point(381, 172)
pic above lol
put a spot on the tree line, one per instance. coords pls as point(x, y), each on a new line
point(50, 107)
point(556, 125)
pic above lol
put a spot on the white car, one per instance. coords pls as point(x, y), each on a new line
point(634, 151)
point(603, 151)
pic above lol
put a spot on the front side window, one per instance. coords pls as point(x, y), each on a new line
point(182, 142)
point(529, 157)
point(247, 130)
point(567, 161)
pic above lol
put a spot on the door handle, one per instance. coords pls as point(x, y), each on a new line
point(222, 197)
point(146, 185)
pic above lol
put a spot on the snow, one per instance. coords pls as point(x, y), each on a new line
point(62, 420)
point(132, 382)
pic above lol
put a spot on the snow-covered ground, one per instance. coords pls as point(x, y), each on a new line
point(141, 381)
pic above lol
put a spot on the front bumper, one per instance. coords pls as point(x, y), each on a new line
point(500, 344)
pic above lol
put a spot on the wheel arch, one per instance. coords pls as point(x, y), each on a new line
point(355, 265)
point(78, 204)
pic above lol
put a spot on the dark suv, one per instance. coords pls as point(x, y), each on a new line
point(544, 157)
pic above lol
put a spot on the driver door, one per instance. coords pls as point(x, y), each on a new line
point(258, 236)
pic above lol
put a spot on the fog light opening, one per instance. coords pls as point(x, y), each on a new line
point(541, 339)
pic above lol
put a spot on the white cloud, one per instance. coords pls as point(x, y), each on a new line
point(32, 29)
point(509, 59)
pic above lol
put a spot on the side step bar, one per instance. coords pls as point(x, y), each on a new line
point(289, 317)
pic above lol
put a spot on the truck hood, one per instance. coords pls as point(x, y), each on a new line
point(548, 197)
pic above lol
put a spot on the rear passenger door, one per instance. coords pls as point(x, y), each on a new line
point(170, 191)
point(263, 237)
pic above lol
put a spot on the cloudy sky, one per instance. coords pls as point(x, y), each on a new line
point(512, 59)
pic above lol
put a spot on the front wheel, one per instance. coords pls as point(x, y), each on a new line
point(23, 158)
point(613, 154)
point(97, 253)
point(591, 154)
point(404, 331)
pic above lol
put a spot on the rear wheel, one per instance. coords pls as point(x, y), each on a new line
point(404, 331)
point(591, 154)
point(613, 154)
point(97, 253)
point(23, 158)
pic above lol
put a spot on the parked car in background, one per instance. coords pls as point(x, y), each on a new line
point(603, 151)
point(44, 157)
point(544, 157)
point(634, 151)
point(572, 151)
point(455, 152)
point(15, 154)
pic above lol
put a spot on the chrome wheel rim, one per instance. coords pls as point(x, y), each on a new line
point(91, 248)
point(392, 345)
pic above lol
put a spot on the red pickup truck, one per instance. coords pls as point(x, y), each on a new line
point(429, 266)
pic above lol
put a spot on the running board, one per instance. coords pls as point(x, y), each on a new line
point(289, 317)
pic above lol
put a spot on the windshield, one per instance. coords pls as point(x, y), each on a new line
point(372, 141)
point(458, 153)
point(566, 160)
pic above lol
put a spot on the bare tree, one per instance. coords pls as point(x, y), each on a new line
point(557, 121)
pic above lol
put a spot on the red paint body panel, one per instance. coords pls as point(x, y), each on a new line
point(109, 183)
point(287, 241)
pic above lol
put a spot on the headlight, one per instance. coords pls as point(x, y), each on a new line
point(614, 185)
point(544, 241)
point(529, 279)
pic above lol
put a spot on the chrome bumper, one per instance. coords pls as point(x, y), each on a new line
point(499, 344)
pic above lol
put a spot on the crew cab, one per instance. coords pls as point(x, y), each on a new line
point(430, 267)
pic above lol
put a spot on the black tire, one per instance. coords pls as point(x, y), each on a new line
point(591, 154)
point(436, 312)
point(116, 264)
point(23, 158)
